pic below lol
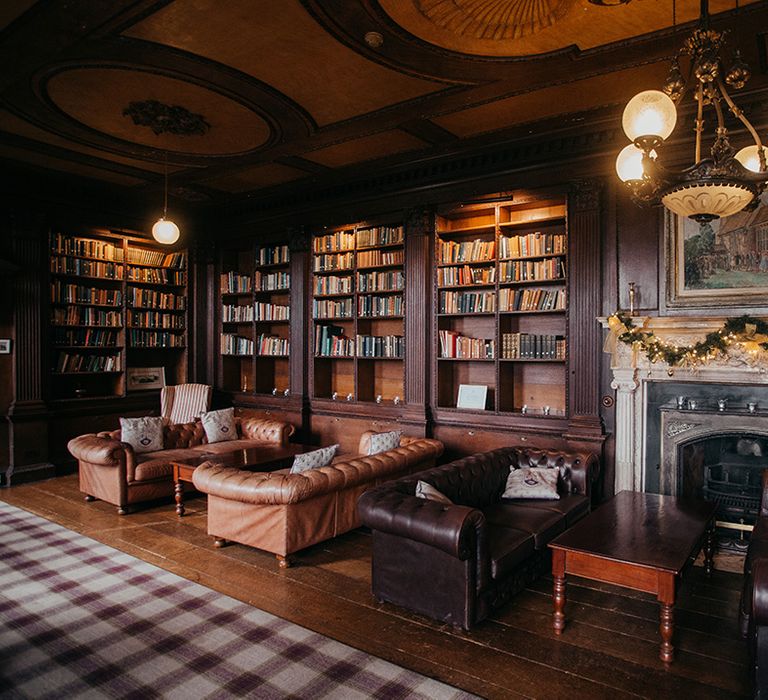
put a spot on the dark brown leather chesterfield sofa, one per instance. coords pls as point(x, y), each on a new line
point(754, 598)
point(456, 563)
point(111, 471)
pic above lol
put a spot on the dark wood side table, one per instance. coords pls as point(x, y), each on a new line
point(264, 458)
point(641, 541)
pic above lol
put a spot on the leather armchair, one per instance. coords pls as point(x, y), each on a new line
point(754, 597)
point(455, 563)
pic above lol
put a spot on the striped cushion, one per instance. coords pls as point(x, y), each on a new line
point(184, 402)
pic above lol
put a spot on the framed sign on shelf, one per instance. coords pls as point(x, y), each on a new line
point(721, 263)
point(472, 396)
point(142, 378)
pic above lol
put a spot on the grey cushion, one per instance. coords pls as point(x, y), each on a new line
point(532, 483)
point(381, 442)
point(220, 425)
point(144, 434)
point(429, 492)
point(314, 459)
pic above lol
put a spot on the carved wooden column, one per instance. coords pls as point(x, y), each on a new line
point(584, 332)
point(28, 414)
point(301, 344)
point(202, 340)
point(418, 229)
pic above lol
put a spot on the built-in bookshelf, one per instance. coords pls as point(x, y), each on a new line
point(357, 311)
point(500, 305)
point(116, 303)
point(255, 320)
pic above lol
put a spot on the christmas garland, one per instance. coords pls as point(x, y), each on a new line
point(750, 333)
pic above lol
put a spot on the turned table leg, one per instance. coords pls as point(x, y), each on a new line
point(666, 628)
point(179, 495)
point(558, 591)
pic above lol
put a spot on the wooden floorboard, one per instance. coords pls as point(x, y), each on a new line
point(609, 648)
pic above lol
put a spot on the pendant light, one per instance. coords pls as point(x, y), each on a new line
point(165, 231)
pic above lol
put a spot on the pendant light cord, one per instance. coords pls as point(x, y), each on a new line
point(165, 189)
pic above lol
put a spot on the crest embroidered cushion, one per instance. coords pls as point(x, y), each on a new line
point(144, 434)
point(381, 442)
point(314, 459)
point(532, 483)
point(220, 425)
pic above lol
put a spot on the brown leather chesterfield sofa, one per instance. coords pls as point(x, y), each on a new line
point(754, 597)
point(111, 471)
point(281, 513)
point(456, 563)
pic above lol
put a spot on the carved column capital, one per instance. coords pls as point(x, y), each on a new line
point(625, 380)
point(419, 221)
point(298, 240)
point(585, 194)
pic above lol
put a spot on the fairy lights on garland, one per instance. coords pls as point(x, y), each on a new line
point(749, 333)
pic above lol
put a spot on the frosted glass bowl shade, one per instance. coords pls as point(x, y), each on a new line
point(165, 231)
point(749, 157)
point(629, 163)
point(649, 113)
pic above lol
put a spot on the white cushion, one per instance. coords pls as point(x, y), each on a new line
point(314, 459)
point(532, 483)
point(220, 425)
point(381, 442)
point(425, 490)
point(144, 434)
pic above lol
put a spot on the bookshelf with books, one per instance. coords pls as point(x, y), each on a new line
point(113, 303)
point(501, 306)
point(357, 310)
point(236, 320)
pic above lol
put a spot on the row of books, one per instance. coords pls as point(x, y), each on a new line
point(326, 262)
point(380, 346)
point(85, 337)
point(524, 270)
point(379, 235)
point(272, 312)
point(467, 302)
point(384, 281)
point(456, 345)
point(155, 319)
point(86, 316)
point(332, 284)
point(79, 294)
point(332, 308)
point(144, 256)
point(532, 346)
point(465, 275)
point(277, 255)
point(271, 281)
point(77, 362)
point(235, 283)
point(532, 244)
point(380, 258)
point(330, 341)
point(369, 306)
point(155, 339)
point(89, 247)
point(232, 313)
point(272, 345)
point(531, 299)
point(235, 345)
point(339, 240)
point(154, 275)
point(86, 268)
point(465, 251)
point(158, 300)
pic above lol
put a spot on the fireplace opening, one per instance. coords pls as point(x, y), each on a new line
point(726, 469)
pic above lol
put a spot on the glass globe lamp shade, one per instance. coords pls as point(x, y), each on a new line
point(165, 231)
point(629, 163)
point(750, 159)
point(651, 114)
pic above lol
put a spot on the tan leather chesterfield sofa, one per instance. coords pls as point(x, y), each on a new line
point(111, 471)
point(282, 513)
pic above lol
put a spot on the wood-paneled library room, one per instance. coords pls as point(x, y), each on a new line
point(384, 349)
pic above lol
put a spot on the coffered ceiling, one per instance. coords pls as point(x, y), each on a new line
point(244, 95)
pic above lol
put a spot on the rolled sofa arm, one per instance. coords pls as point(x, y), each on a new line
point(452, 529)
point(764, 495)
point(266, 430)
point(92, 448)
point(760, 592)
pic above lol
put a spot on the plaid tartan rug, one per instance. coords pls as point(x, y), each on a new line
point(79, 619)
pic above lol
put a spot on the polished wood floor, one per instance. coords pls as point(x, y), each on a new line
point(608, 650)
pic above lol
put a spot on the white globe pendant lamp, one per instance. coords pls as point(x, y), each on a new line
point(165, 231)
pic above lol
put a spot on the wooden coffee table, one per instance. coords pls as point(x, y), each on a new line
point(642, 541)
point(265, 458)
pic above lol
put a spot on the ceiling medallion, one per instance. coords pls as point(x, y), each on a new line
point(166, 119)
point(493, 19)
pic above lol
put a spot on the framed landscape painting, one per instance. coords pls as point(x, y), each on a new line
point(722, 263)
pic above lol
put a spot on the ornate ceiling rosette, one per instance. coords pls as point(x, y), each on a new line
point(494, 19)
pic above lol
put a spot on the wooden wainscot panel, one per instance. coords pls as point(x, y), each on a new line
point(460, 441)
point(272, 413)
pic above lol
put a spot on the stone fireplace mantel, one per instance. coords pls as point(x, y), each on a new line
point(632, 373)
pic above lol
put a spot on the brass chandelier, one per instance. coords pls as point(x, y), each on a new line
point(713, 187)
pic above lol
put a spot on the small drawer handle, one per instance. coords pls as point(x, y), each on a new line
point(524, 439)
point(470, 432)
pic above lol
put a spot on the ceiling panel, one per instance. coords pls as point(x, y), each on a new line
point(365, 148)
point(281, 44)
point(11, 9)
point(255, 178)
